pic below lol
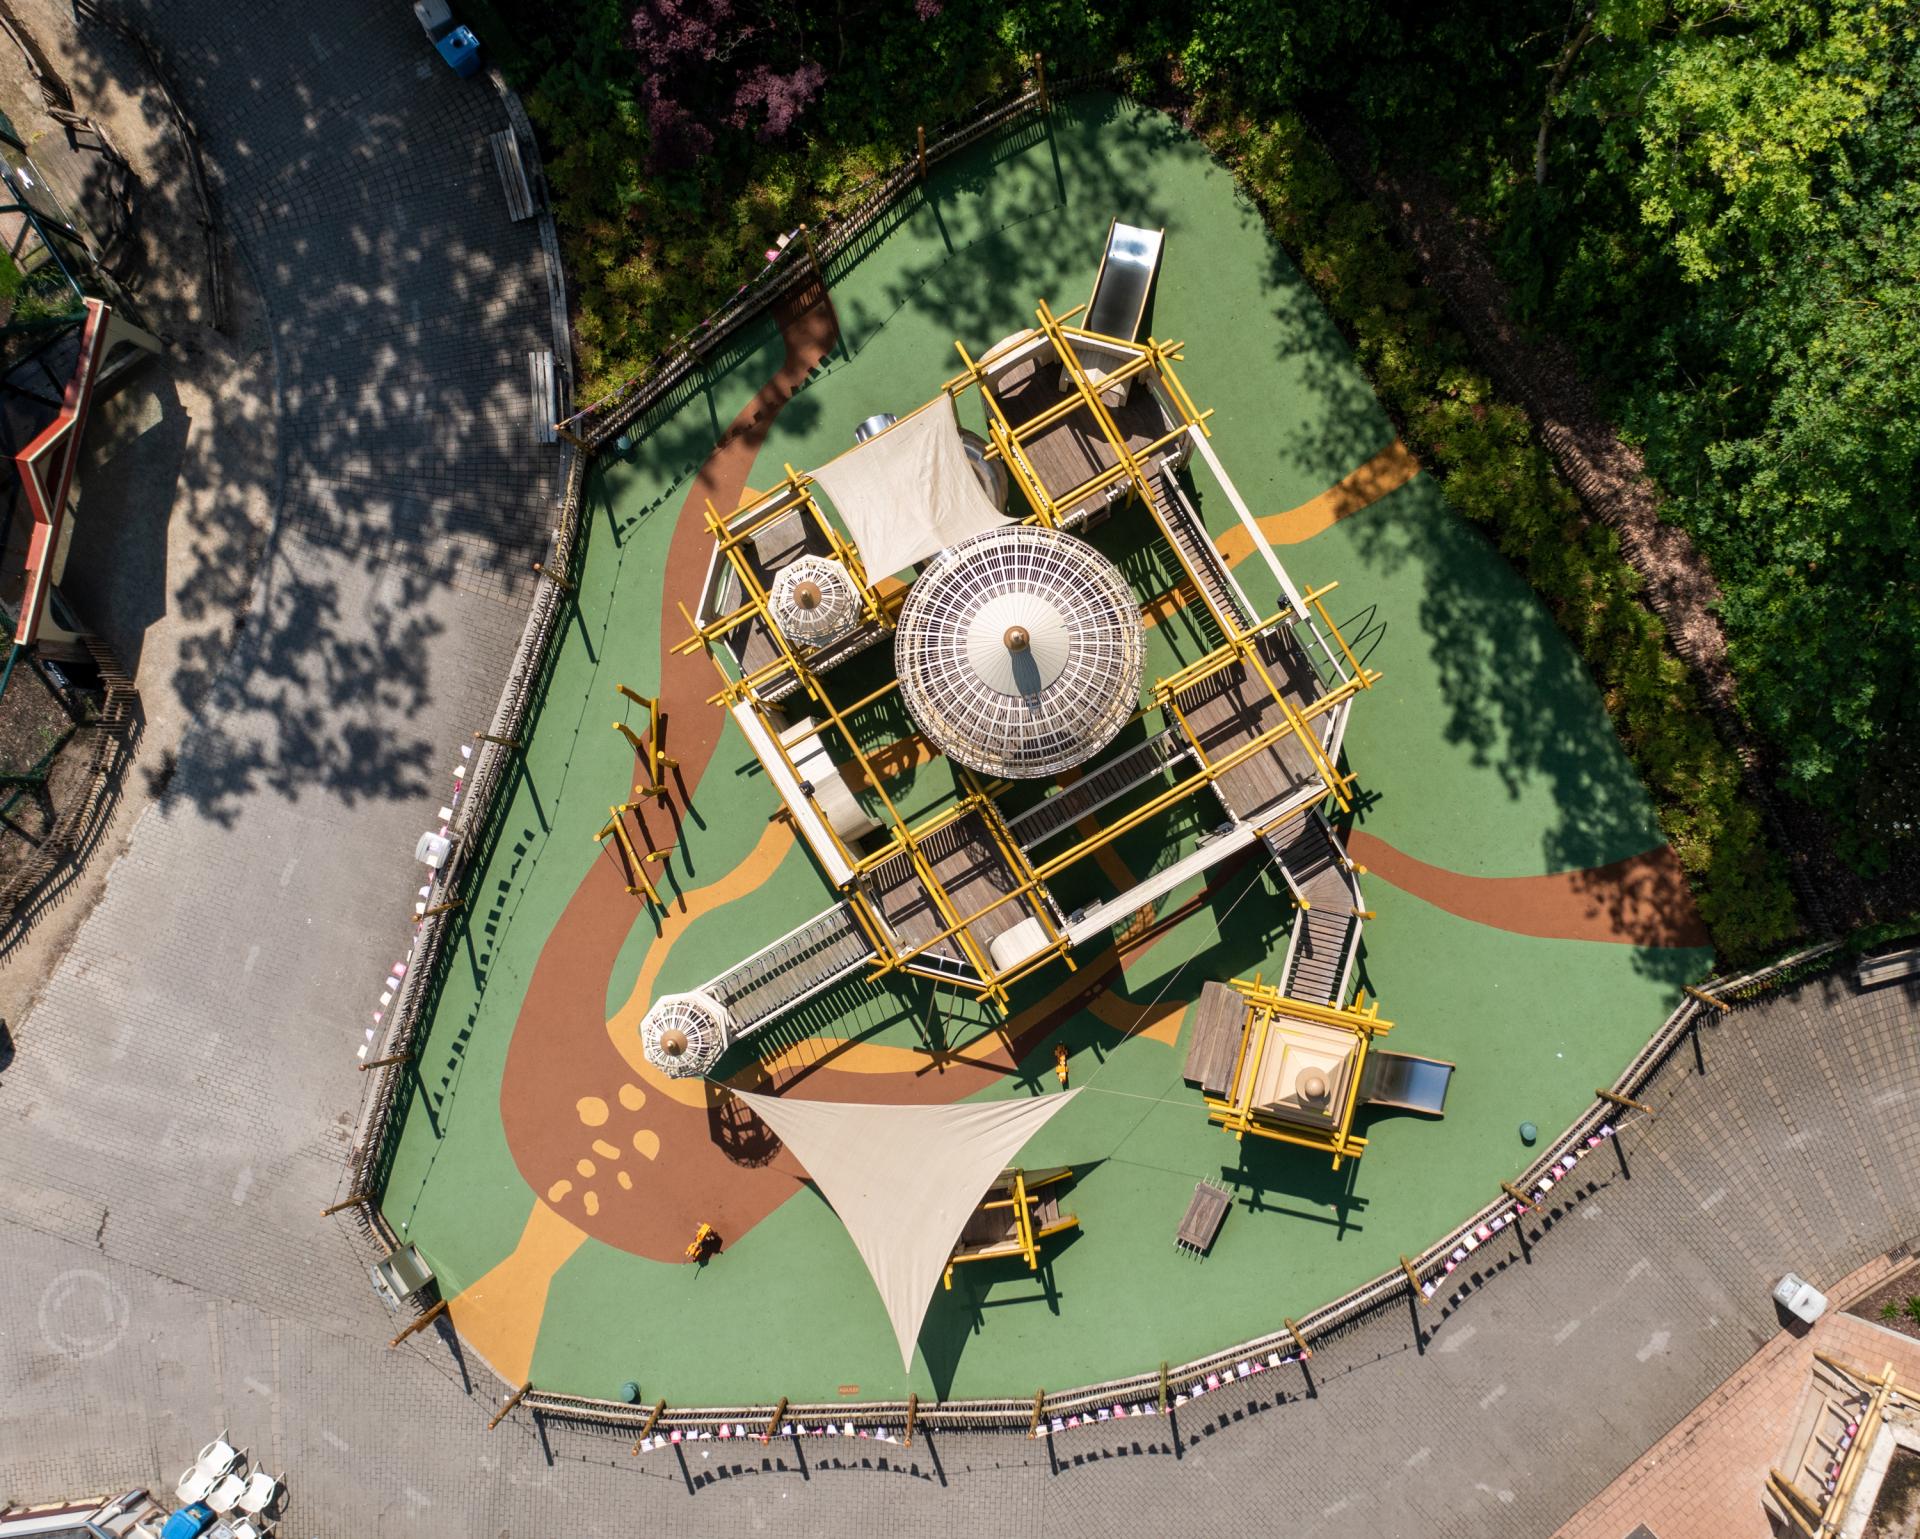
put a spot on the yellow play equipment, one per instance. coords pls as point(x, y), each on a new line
point(1013, 1219)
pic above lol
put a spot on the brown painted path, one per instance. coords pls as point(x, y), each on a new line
point(1640, 901)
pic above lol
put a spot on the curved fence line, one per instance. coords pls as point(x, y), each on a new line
point(476, 824)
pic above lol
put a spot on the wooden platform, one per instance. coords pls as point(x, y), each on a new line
point(1218, 1019)
point(1235, 706)
point(1200, 1224)
point(1074, 449)
point(973, 871)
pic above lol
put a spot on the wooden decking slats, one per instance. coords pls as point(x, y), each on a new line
point(972, 870)
point(1327, 936)
point(513, 174)
point(1234, 707)
point(1203, 1218)
point(543, 392)
point(1217, 1023)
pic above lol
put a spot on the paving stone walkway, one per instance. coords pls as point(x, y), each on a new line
point(174, 1119)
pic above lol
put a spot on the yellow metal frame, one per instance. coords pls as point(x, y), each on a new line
point(1027, 1238)
point(1028, 880)
point(1263, 1004)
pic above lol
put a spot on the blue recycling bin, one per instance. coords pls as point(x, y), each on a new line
point(461, 49)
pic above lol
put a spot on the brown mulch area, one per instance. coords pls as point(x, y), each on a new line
point(31, 721)
point(1896, 1290)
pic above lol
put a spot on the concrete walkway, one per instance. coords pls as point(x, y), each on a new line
point(175, 1117)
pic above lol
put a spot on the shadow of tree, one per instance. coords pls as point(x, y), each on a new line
point(399, 304)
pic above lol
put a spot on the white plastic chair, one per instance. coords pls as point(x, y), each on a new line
point(228, 1492)
point(262, 1490)
point(193, 1486)
point(219, 1456)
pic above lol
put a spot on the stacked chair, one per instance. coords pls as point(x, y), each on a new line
point(220, 1479)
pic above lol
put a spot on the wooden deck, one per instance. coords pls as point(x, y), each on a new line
point(973, 871)
point(1235, 706)
point(1074, 449)
point(1218, 1024)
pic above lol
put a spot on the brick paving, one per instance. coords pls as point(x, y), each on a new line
point(182, 1093)
point(1704, 1478)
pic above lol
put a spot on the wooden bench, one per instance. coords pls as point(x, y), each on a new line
point(1203, 1218)
point(1890, 968)
point(544, 390)
point(1218, 1019)
point(513, 174)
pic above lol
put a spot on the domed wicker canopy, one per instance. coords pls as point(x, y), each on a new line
point(1019, 651)
point(683, 1035)
point(814, 602)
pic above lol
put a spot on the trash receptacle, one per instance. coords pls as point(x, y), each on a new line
point(1799, 1298)
point(434, 18)
point(461, 49)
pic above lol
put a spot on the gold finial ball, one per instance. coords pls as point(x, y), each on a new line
point(673, 1042)
point(1313, 1086)
point(1017, 639)
point(807, 595)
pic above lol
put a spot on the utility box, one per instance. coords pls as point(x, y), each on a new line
point(434, 18)
point(1799, 1298)
point(400, 1274)
point(461, 49)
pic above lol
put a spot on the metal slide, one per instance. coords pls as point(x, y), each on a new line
point(1125, 279)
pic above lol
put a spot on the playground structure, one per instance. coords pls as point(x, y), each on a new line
point(1017, 1213)
point(1017, 647)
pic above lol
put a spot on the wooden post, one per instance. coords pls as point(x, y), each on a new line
point(1627, 1101)
point(1363, 913)
point(813, 257)
point(1798, 1505)
point(440, 908)
point(645, 700)
point(553, 577)
point(512, 1400)
point(419, 1325)
point(1516, 1194)
point(1033, 1423)
point(1040, 76)
point(571, 437)
point(773, 1424)
point(923, 151)
point(913, 1414)
point(381, 1063)
point(1163, 1389)
point(1413, 1280)
point(1298, 1340)
point(504, 742)
point(1707, 999)
point(647, 1431)
point(356, 1200)
point(633, 740)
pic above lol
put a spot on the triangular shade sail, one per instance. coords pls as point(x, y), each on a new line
point(905, 1179)
point(909, 492)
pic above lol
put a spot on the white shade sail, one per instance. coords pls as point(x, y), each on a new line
point(905, 1179)
point(909, 492)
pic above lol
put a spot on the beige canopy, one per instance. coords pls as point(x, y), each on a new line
point(910, 491)
point(905, 1179)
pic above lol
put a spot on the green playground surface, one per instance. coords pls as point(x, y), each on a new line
point(1483, 751)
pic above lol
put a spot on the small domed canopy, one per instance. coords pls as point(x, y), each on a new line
point(1020, 651)
point(683, 1035)
point(814, 602)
